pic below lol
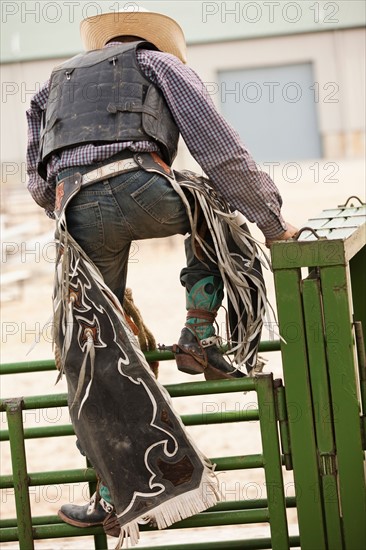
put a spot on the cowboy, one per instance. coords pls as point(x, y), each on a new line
point(112, 113)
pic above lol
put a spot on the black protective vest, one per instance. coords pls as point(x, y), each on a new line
point(102, 97)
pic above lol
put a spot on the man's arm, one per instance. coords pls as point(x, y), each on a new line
point(214, 143)
point(42, 193)
point(290, 232)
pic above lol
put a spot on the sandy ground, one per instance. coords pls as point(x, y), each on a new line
point(154, 277)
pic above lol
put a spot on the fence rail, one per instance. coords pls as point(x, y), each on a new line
point(271, 510)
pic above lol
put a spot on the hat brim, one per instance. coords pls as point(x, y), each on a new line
point(159, 29)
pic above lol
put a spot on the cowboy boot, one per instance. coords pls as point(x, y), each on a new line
point(95, 513)
point(198, 349)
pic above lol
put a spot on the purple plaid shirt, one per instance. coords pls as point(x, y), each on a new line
point(210, 139)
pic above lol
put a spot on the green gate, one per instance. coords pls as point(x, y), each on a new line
point(320, 293)
point(314, 423)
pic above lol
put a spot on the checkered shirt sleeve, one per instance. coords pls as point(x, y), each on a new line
point(41, 191)
point(214, 144)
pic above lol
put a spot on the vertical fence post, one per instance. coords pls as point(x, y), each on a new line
point(346, 407)
point(323, 413)
point(299, 400)
point(272, 462)
point(20, 475)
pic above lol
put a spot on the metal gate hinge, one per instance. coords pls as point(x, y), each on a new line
point(327, 464)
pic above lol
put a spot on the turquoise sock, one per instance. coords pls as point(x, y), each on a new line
point(207, 295)
point(105, 494)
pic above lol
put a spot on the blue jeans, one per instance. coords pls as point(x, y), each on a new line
point(105, 217)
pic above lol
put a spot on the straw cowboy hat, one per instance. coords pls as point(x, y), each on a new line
point(159, 29)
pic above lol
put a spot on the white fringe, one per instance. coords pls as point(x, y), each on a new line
point(234, 271)
point(175, 509)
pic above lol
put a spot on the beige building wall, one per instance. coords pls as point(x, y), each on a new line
point(338, 59)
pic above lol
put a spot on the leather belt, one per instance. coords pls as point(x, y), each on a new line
point(112, 169)
point(151, 162)
point(67, 187)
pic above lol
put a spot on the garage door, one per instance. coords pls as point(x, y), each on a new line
point(274, 109)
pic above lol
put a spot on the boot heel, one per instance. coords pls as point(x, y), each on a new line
point(187, 364)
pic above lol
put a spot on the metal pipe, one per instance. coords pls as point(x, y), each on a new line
point(88, 475)
point(188, 419)
point(220, 507)
point(155, 355)
point(20, 475)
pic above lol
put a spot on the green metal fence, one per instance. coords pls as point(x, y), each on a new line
point(314, 423)
point(272, 510)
